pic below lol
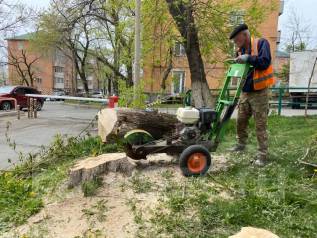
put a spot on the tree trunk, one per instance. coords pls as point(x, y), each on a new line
point(182, 13)
point(168, 69)
point(85, 83)
point(129, 74)
point(115, 123)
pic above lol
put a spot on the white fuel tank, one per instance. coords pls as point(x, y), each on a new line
point(188, 115)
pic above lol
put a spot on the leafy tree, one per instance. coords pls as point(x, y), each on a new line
point(65, 28)
point(91, 29)
point(294, 47)
point(203, 28)
point(24, 66)
point(115, 21)
point(14, 16)
point(299, 32)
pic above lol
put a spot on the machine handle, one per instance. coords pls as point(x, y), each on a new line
point(230, 61)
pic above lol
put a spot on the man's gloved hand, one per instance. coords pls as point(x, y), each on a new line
point(242, 59)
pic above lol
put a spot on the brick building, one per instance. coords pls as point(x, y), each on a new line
point(282, 63)
point(179, 79)
point(53, 71)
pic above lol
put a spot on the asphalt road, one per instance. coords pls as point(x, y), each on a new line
point(30, 134)
point(58, 118)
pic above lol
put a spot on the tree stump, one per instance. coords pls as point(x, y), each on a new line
point(115, 123)
point(89, 168)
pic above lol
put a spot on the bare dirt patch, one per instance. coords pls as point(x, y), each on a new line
point(115, 209)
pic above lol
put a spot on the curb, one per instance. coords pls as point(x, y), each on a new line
point(8, 114)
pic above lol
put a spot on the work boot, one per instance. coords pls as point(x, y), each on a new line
point(260, 161)
point(237, 148)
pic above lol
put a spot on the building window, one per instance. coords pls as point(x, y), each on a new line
point(237, 17)
point(58, 69)
point(20, 45)
point(38, 81)
point(59, 80)
point(179, 49)
point(178, 84)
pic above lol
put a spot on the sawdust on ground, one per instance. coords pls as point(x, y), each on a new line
point(68, 214)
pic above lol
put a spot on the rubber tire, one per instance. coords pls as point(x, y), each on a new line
point(6, 104)
point(185, 155)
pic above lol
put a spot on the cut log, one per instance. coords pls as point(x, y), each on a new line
point(115, 123)
point(91, 167)
point(251, 232)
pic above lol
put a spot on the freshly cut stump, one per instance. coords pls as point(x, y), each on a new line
point(251, 232)
point(115, 123)
point(91, 167)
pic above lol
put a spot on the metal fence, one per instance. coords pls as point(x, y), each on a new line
point(281, 97)
point(289, 97)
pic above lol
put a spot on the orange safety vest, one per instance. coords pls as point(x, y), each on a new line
point(261, 78)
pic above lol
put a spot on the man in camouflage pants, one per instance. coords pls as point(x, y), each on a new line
point(252, 102)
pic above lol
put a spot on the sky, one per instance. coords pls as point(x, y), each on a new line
point(305, 8)
point(36, 3)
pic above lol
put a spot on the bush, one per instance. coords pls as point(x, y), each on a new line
point(127, 97)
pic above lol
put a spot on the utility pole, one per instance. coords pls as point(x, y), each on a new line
point(137, 53)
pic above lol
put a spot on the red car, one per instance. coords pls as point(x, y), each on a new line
point(18, 92)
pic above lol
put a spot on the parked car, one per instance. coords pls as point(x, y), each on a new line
point(97, 94)
point(173, 99)
point(57, 93)
point(18, 92)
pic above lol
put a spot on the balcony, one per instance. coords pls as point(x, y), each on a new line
point(282, 5)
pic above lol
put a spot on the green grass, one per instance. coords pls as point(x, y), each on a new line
point(90, 104)
point(90, 188)
point(281, 197)
point(23, 188)
point(140, 184)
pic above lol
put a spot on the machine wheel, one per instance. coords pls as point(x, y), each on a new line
point(6, 106)
point(195, 160)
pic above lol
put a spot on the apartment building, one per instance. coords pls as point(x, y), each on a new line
point(52, 71)
point(282, 62)
point(180, 80)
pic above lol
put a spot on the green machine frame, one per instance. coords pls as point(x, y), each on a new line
point(140, 143)
point(226, 103)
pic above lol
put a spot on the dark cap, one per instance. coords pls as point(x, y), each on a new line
point(238, 29)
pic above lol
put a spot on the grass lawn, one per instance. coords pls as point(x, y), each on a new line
point(281, 197)
point(85, 103)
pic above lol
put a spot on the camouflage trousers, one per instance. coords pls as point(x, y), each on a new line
point(254, 104)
